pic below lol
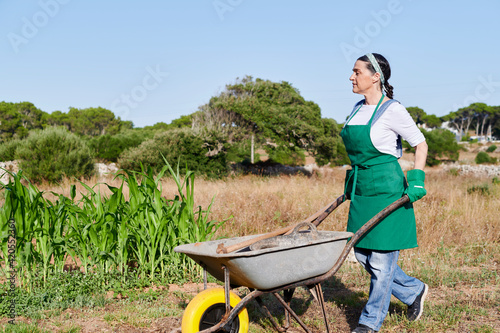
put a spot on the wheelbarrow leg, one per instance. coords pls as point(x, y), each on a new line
point(287, 295)
point(268, 314)
point(321, 300)
point(227, 285)
point(205, 278)
point(289, 309)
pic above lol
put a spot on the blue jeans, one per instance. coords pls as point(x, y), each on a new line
point(386, 278)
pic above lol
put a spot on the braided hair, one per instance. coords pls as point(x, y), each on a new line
point(386, 70)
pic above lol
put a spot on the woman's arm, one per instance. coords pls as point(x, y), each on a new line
point(420, 155)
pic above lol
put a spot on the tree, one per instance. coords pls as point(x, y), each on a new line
point(274, 113)
point(183, 121)
point(494, 125)
point(481, 112)
point(93, 121)
point(461, 120)
point(17, 119)
point(89, 121)
point(432, 121)
point(330, 147)
point(58, 118)
point(417, 114)
point(442, 145)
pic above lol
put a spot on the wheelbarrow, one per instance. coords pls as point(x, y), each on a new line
point(290, 258)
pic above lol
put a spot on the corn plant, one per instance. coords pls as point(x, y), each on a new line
point(93, 232)
point(190, 223)
point(23, 205)
point(105, 234)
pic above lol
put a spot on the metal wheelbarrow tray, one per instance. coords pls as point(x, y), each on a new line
point(270, 267)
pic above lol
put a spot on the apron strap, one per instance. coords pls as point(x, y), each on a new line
point(376, 110)
point(378, 114)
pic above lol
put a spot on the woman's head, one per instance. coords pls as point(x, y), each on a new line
point(382, 76)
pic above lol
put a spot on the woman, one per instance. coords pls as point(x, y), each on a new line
point(372, 136)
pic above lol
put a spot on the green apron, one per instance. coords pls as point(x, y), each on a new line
point(375, 181)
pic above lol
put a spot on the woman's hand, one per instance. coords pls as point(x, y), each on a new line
point(415, 189)
point(416, 177)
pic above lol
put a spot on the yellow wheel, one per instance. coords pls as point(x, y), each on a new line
point(206, 310)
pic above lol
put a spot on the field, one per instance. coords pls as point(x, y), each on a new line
point(458, 257)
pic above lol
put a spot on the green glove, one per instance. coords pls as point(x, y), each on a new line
point(415, 189)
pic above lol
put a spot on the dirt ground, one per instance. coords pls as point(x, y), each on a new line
point(340, 300)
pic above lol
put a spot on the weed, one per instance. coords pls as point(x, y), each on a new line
point(484, 329)
point(453, 172)
point(483, 189)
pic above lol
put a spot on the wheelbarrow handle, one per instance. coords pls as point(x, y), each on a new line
point(316, 219)
point(322, 214)
point(360, 233)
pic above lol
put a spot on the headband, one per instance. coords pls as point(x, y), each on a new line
point(376, 66)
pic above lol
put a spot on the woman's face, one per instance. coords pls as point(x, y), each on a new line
point(362, 79)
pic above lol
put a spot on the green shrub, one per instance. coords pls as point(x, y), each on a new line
point(292, 157)
point(495, 180)
point(442, 146)
point(483, 157)
point(8, 150)
point(331, 150)
point(239, 151)
point(109, 147)
point(53, 153)
point(203, 155)
point(491, 149)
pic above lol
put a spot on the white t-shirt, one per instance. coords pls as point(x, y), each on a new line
point(384, 133)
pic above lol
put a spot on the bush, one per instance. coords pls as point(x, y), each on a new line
point(483, 157)
point(291, 157)
point(53, 153)
point(331, 150)
point(491, 149)
point(203, 155)
point(8, 150)
point(239, 151)
point(109, 147)
point(442, 145)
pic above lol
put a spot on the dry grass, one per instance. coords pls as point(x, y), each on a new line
point(449, 215)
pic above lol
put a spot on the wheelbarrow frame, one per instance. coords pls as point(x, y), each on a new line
point(231, 314)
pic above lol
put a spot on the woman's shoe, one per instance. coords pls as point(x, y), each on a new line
point(363, 329)
point(417, 308)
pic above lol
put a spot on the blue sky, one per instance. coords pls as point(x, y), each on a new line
point(150, 61)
